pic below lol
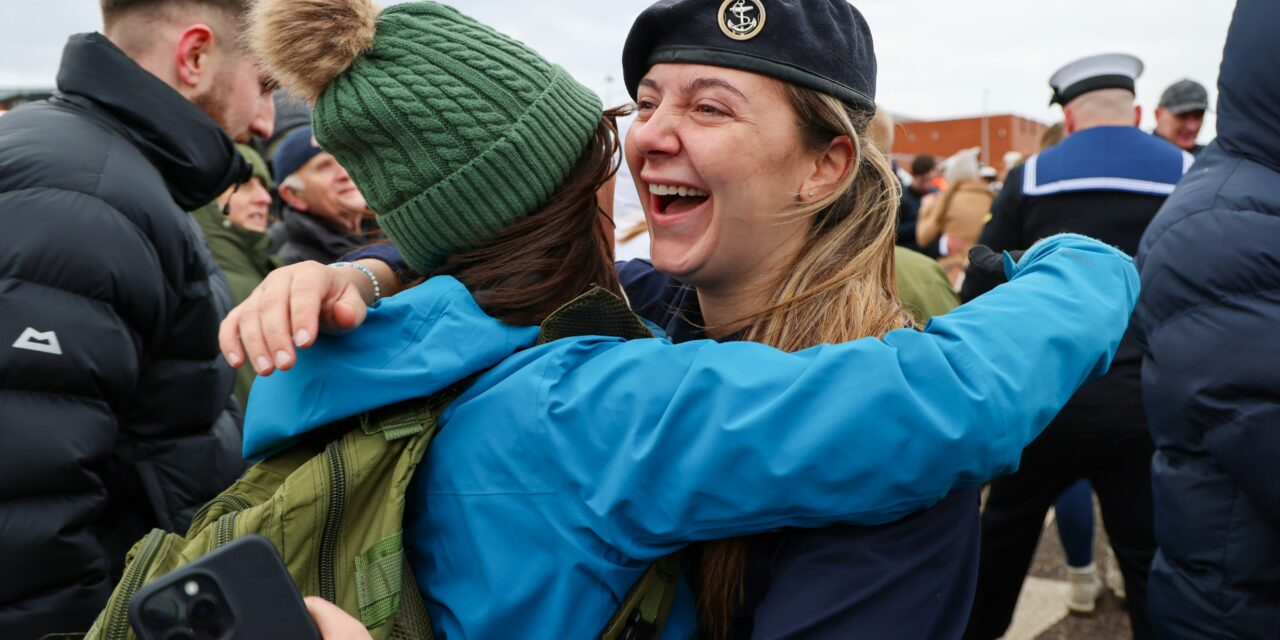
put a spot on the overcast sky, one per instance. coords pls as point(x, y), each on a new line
point(938, 58)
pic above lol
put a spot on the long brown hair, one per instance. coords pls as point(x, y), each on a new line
point(537, 264)
point(840, 287)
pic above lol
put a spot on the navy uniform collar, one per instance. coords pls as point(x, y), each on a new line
point(1107, 159)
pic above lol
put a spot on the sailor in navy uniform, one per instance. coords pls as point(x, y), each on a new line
point(1107, 180)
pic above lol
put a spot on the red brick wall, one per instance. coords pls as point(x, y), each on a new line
point(942, 138)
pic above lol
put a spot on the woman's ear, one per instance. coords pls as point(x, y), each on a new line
point(829, 168)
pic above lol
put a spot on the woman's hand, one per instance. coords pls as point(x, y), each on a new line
point(292, 305)
point(333, 622)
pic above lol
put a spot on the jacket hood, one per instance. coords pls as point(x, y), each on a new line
point(1248, 94)
point(196, 158)
point(410, 346)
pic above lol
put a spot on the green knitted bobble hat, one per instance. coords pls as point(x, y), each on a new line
point(451, 130)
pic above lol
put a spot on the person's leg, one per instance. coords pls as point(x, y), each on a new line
point(1012, 522)
point(1123, 484)
point(1074, 509)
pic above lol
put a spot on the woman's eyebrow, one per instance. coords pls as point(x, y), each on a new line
point(699, 84)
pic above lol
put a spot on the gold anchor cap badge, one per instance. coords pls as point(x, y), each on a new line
point(742, 19)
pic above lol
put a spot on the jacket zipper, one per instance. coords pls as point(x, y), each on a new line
point(234, 501)
point(117, 624)
point(333, 518)
point(224, 529)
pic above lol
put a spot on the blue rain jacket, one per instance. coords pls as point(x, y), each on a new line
point(566, 468)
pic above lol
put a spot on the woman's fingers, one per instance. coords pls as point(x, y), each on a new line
point(229, 339)
point(256, 353)
point(287, 311)
point(333, 622)
point(273, 315)
point(312, 283)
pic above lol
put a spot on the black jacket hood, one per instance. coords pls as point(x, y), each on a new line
point(1248, 91)
point(197, 159)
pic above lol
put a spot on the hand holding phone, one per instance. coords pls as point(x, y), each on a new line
point(241, 591)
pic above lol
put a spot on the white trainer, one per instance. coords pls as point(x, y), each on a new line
point(1086, 588)
point(1111, 574)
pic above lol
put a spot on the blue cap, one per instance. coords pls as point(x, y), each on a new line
point(294, 151)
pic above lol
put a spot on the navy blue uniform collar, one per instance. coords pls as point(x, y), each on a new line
point(1107, 159)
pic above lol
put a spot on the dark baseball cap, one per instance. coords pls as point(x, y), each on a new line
point(1185, 96)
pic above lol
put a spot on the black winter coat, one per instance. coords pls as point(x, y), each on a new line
point(300, 236)
point(113, 398)
point(1207, 320)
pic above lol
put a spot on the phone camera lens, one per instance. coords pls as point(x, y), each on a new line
point(161, 612)
point(203, 610)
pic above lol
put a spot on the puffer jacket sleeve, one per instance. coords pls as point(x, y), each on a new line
point(1207, 322)
point(701, 440)
point(70, 313)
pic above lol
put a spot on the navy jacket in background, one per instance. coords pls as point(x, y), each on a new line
point(1208, 320)
point(914, 578)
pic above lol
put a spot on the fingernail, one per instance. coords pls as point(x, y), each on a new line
point(301, 337)
point(282, 358)
point(233, 359)
point(263, 364)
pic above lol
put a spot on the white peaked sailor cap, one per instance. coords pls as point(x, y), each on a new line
point(1103, 71)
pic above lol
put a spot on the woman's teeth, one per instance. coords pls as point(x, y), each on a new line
point(673, 190)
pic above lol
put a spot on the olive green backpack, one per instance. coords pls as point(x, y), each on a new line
point(333, 506)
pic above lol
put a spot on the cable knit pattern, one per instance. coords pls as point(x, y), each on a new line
point(451, 129)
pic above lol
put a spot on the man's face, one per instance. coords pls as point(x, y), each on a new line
point(922, 183)
point(1180, 129)
point(329, 193)
point(235, 94)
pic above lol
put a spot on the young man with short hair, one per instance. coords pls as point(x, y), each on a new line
point(117, 405)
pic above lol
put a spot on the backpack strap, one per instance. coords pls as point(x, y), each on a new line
point(643, 613)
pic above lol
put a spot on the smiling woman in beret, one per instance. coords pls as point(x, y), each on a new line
point(793, 391)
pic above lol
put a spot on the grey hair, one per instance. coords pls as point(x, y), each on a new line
point(293, 183)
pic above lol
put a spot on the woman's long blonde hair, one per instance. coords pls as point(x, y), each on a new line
point(841, 287)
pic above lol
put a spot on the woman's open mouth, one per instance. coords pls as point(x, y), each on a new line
point(670, 199)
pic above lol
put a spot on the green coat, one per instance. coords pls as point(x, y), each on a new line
point(242, 255)
point(923, 285)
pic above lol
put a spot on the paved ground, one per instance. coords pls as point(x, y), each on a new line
point(1042, 614)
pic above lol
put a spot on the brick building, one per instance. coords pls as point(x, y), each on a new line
point(942, 138)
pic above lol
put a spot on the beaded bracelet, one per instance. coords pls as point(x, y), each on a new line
point(377, 289)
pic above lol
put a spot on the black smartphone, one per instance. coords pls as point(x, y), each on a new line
point(241, 591)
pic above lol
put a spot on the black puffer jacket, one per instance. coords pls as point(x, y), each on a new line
point(1208, 317)
point(113, 399)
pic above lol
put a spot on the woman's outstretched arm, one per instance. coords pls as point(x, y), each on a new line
point(668, 444)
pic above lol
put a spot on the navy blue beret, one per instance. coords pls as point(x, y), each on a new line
point(823, 45)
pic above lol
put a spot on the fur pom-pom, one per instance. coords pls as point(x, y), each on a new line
point(305, 44)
